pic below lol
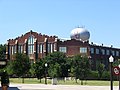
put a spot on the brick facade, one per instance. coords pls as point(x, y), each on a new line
point(37, 46)
point(22, 42)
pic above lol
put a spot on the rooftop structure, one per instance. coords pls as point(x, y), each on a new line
point(81, 34)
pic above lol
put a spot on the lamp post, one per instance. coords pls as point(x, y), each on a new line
point(119, 76)
point(111, 71)
point(46, 73)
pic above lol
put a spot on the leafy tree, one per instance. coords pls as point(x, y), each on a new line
point(39, 69)
point(54, 70)
point(85, 67)
point(9, 68)
point(5, 79)
point(116, 62)
point(81, 67)
point(31, 72)
point(76, 66)
point(100, 69)
point(2, 51)
point(56, 61)
point(21, 65)
point(68, 67)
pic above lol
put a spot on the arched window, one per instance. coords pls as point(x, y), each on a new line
point(31, 45)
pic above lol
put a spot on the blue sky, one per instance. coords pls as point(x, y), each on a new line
point(59, 17)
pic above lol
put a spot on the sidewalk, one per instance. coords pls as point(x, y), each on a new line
point(59, 87)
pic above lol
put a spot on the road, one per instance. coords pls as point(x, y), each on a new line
point(57, 87)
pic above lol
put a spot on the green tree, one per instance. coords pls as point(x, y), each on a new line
point(76, 66)
point(2, 51)
point(54, 70)
point(56, 61)
point(21, 65)
point(31, 72)
point(116, 62)
point(5, 79)
point(69, 66)
point(100, 69)
point(81, 67)
point(39, 67)
point(9, 67)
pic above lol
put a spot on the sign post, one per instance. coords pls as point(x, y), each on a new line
point(116, 70)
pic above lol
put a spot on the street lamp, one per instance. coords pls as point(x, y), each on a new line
point(119, 76)
point(111, 75)
point(46, 73)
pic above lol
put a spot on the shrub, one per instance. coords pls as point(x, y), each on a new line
point(93, 75)
point(106, 75)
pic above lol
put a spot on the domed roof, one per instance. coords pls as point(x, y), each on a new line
point(80, 33)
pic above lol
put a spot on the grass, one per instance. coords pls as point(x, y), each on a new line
point(90, 83)
point(28, 80)
point(62, 82)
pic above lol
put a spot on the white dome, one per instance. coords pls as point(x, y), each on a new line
point(80, 33)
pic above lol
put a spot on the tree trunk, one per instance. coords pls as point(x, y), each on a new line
point(23, 80)
point(76, 80)
point(40, 80)
point(64, 79)
point(81, 82)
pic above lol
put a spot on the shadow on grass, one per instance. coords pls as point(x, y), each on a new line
point(11, 88)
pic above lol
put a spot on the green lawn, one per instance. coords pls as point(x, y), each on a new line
point(90, 83)
point(62, 82)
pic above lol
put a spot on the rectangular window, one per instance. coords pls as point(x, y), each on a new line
point(113, 53)
point(12, 50)
point(20, 48)
point(83, 49)
point(108, 52)
point(30, 46)
point(29, 49)
point(97, 51)
point(54, 46)
point(32, 49)
point(9, 51)
point(15, 48)
point(117, 53)
point(38, 49)
point(92, 50)
point(41, 48)
point(51, 47)
point(63, 49)
point(103, 52)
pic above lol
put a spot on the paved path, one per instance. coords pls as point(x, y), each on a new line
point(57, 87)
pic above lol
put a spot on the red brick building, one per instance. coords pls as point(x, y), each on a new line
point(32, 44)
point(36, 46)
